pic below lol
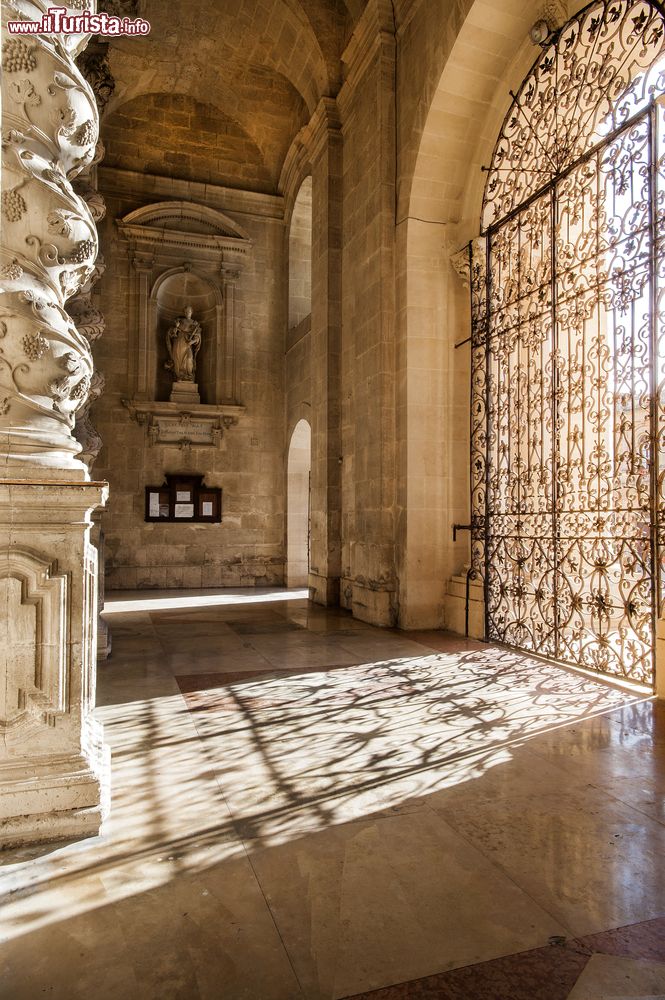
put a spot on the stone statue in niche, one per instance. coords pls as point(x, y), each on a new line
point(183, 341)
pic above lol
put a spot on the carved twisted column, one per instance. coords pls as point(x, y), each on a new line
point(94, 66)
point(48, 251)
point(52, 761)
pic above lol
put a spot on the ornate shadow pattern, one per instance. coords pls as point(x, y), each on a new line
point(568, 350)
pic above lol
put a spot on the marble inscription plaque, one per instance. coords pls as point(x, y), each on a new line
point(184, 510)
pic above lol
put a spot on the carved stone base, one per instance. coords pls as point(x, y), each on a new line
point(373, 605)
point(24, 450)
point(368, 604)
point(55, 798)
point(54, 768)
point(185, 392)
point(104, 640)
point(457, 617)
point(323, 589)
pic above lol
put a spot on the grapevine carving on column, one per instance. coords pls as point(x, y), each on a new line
point(96, 70)
point(48, 249)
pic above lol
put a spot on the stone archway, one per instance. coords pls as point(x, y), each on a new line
point(299, 464)
point(440, 193)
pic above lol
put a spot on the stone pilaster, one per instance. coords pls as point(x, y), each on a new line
point(317, 151)
point(325, 151)
point(367, 106)
point(52, 762)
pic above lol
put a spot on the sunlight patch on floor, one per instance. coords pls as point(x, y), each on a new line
point(175, 600)
point(234, 766)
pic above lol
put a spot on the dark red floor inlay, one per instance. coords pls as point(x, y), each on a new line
point(208, 682)
point(213, 692)
point(541, 974)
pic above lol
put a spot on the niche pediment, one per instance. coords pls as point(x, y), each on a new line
point(184, 225)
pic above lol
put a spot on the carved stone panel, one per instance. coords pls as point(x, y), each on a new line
point(33, 639)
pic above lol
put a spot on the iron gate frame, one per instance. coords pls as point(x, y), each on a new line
point(481, 382)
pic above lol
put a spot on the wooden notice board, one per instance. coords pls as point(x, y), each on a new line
point(183, 499)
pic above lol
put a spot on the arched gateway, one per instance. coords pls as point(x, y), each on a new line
point(568, 348)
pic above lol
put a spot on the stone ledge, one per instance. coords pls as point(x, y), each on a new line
point(185, 425)
point(54, 504)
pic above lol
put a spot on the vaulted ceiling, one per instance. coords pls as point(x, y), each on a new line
point(242, 77)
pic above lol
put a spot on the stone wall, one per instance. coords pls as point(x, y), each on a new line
point(175, 136)
point(298, 376)
point(247, 548)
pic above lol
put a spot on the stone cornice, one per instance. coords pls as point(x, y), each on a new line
point(175, 240)
point(252, 204)
point(324, 123)
point(184, 425)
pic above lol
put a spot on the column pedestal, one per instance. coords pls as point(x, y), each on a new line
point(54, 767)
point(185, 392)
point(323, 589)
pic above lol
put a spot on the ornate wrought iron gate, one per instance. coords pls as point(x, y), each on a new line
point(568, 350)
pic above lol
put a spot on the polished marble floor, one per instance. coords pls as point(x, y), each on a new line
point(308, 807)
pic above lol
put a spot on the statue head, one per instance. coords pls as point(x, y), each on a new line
point(188, 312)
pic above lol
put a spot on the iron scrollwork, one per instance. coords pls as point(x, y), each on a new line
point(568, 350)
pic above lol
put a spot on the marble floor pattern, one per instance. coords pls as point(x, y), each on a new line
point(308, 807)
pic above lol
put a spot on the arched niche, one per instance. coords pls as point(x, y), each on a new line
point(171, 294)
point(300, 256)
point(171, 237)
point(299, 464)
point(182, 253)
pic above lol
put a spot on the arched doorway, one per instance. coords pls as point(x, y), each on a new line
point(297, 522)
point(568, 350)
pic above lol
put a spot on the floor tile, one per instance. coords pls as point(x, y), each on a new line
point(546, 973)
point(366, 904)
point(607, 976)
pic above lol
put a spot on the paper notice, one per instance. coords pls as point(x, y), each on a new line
point(153, 506)
point(206, 509)
point(184, 510)
point(183, 496)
